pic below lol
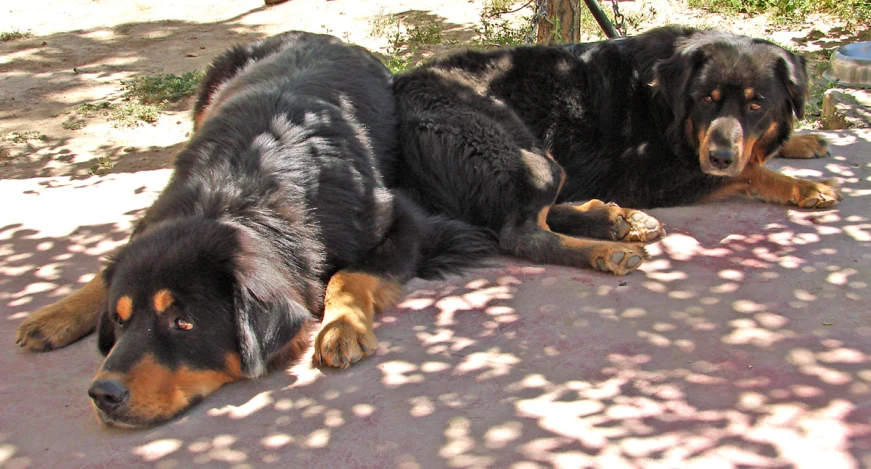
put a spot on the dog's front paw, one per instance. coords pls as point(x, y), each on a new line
point(813, 194)
point(805, 147)
point(618, 258)
point(342, 342)
point(48, 328)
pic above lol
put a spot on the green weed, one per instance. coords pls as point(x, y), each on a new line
point(130, 114)
point(103, 166)
point(6, 36)
point(497, 31)
point(23, 137)
point(162, 89)
point(92, 109)
point(73, 124)
point(854, 12)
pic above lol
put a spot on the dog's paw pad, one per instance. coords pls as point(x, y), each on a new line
point(641, 227)
point(620, 259)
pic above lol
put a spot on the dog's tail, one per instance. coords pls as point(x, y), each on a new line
point(450, 245)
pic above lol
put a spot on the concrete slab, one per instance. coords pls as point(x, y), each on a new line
point(744, 342)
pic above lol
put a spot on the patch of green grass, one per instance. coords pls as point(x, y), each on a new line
point(163, 88)
point(429, 33)
point(854, 12)
point(92, 109)
point(382, 24)
point(6, 36)
point(403, 45)
point(399, 52)
point(73, 124)
point(497, 31)
point(130, 114)
point(23, 137)
point(103, 166)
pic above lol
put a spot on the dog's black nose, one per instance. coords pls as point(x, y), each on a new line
point(721, 158)
point(108, 394)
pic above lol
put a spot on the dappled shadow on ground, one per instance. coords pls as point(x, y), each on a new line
point(742, 343)
point(45, 77)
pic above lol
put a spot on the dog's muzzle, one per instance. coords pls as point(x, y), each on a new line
point(721, 148)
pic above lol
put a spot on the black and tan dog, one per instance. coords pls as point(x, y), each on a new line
point(277, 213)
point(512, 139)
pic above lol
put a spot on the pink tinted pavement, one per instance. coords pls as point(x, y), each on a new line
point(745, 341)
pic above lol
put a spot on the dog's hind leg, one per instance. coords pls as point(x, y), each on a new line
point(65, 321)
point(471, 167)
point(600, 220)
point(535, 241)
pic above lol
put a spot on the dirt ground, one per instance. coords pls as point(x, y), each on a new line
point(79, 51)
point(743, 342)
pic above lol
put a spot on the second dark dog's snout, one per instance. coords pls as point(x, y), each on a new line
point(108, 394)
point(722, 147)
point(721, 158)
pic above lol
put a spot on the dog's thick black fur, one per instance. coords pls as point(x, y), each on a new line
point(277, 213)
point(671, 117)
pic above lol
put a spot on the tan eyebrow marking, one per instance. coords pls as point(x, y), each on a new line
point(124, 307)
point(162, 300)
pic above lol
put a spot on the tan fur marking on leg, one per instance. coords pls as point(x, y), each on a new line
point(350, 304)
point(541, 219)
point(771, 186)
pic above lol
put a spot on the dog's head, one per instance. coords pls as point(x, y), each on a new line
point(734, 98)
point(192, 305)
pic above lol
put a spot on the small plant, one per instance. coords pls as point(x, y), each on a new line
point(132, 113)
point(430, 33)
point(103, 166)
point(403, 45)
point(164, 88)
point(854, 12)
point(73, 124)
point(23, 137)
point(92, 109)
point(382, 23)
point(13, 35)
point(497, 31)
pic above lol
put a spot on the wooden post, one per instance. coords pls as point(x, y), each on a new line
point(561, 22)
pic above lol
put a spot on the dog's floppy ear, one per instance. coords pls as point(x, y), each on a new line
point(673, 77)
point(106, 326)
point(792, 73)
point(268, 305)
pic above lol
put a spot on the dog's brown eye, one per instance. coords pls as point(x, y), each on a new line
point(708, 99)
point(183, 325)
point(755, 106)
